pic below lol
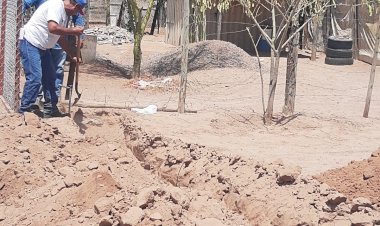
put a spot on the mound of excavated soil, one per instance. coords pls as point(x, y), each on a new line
point(202, 55)
point(358, 179)
point(101, 168)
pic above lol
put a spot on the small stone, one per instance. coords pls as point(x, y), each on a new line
point(103, 205)
point(145, 197)
point(5, 160)
point(360, 219)
point(132, 217)
point(335, 199)
point(360, 202)
point(89, 213)
point(368, 175)
point(288, 175)
point(209, 222)
point(106, 221)
point(66, 171)
point(376, 153)
point(92, 166)
point(112, 147)
point(123, 161)
point(71, 181)
point(22, 149)
point(2, 213)
point(2, 150)
point(52, 158)
point(60, 185)
point(155, 216)
point(80, 220)
point(32, 119)
point(2, 185)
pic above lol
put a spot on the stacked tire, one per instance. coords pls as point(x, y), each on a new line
point(339, 51)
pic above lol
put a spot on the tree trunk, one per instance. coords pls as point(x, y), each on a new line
point(373, 71)
point(185, 54)
point(275, 63)
point(315, 39)
point(137, 56)
point(291, 73)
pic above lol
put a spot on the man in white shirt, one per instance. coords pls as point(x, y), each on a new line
point(45, 28)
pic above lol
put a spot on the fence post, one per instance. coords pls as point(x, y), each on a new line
point(2, 43)
point(18, 60)
point(185, 55)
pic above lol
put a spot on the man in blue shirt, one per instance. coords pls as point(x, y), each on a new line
point(58, 55)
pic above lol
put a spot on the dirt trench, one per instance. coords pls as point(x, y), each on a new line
point(102, 169)
point(263, 193)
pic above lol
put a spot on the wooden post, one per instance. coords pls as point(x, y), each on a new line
point(219, 25)
point(373, 70)
point(315, 38)
point(185, 55)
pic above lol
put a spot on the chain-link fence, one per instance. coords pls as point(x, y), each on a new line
point(10, 68)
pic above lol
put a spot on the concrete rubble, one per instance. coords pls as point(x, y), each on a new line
point(111, 35)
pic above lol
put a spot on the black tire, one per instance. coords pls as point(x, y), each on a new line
point(339, 61)
point(339, 53)
point(334, 42)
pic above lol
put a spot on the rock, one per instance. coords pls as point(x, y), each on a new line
point(89, 213)
point(5, 160)
point(231, 200)
point(123, 161)
point(66, 171)
point(22, 149)
point(368, 174)
point(2, 150)
point(80, 220)
point(103, 205)
point(145, 197)
point(2, 213)
point(155, 216)
point(71, 181)
point(112, 147)
point(52, 158)
point(32, 119)
point(335, 199)
point(376, 153)
point(132, 217)
point(209, 222)
point(360, 219)
point(92, 166)
point(360, 202)
point(176, 195)
point(59, 186)
point(2, 185)
point(288, 175)
point(106, 221)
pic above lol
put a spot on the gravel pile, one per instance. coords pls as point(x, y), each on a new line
point(202, 56)
point(111, 34)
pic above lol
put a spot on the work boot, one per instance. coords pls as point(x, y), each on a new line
point(55, 113)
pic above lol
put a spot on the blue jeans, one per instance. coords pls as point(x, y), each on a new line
point(39, 69)
point(59, 58)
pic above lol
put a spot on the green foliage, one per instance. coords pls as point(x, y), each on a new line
point(372, 5)
point(221, 5)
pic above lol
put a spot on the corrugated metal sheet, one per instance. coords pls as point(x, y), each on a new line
point(234, 23)
point(173, 22)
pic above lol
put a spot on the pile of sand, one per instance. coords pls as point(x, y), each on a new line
point(202, 56)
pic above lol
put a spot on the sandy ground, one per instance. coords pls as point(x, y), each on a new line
point(328, 131)
point(219, 166)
